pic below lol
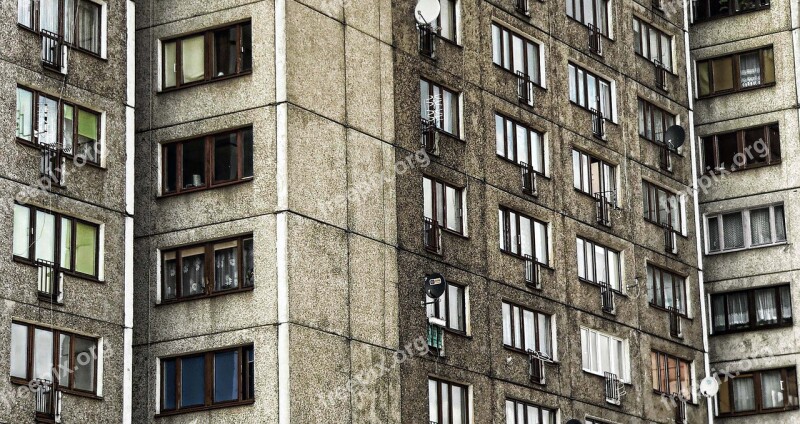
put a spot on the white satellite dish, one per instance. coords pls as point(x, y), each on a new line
point(427, 11)
point(709, 387)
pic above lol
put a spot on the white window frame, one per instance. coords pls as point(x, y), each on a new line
point(428, 192)
point(748, 242)
point(623, 364)
point(442, 303)
point(512, 33)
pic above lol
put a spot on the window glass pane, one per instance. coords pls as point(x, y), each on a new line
point(723, 397)
point(22, 225)
point(786, 303)
point(170, 277)
point(453, 198)
point(581, 88)
point(48, 16)
point(226, 376)
point(170, 167)
point(225, 51)
point(529, 328)
point(703, 85)
point(88, 135)
point(247, 152)
point(541, 243)
point(68, 128)
point(193, 58)
point(250, 382)
point(47, 125)
point(573, 94)
point(506, 324)
point(780, 224)
point(42, 354)
point(194, 159)
point(655, 371)
point(459, 406)
point(89, 26)
point(526, 237)
point(66, 243)
point(433, 401)
point(744, 398)
point(85, 363)
point(44, 237)
point(771, 389)
point(24, 12)
point(19, 351)
point(713, 234)
point(613, 270)
point(192, 381)
point(581, 259)
point(727, 145)
point(738, 310)
point(24, 118)
point(754, 145)
point(226, 273)
point(447, 20)
point(226, 157)
point(63, 371)
point(760, 227)
point(723, 74)
point(193, 272)
point(733, 235)
point(496, 45)
point(69, 21)
point(749, 70)
point(672, 374)
point(774, 144)
point(543, 333)
point(85, 248)
point(247, 247)
point(247, 47)
point(455, 308)
point(168, 384)
point(766, 308)
point(170, 64)
point(769, 67)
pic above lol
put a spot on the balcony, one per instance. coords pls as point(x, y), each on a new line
point(536, 367)
point(48, 402)
point(51, 165)
point(612, 389)
point(427, 40)
point(53, 51)
point(432, 235)
point(675, 327)
point(670, 243)
point(524, 89)
point(603, 206)
point(430, 136)
point(607, 297)
point(595, 40)
point(533, 273)
point(49, 281)
point(598, 124)
point(528, 179)
point(661, 76)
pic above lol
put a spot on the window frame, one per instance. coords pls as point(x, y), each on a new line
point(740, 148)
point(752, 310)
point(646, 114)
point(457, 113)
point(697, 17)
point(623, 363)
point(209, 50)
point(644, 36)
point(787, 374)
point(454, 22)
point(56, 333)
point(606, 29)
point(518, 322)
point(616, 287)
point(603, 165)
point(653, 303)
point(526, 419)
point(505, 121)
point(735, 59)
point(440, 308)
point(535, 75)
point(208, 163)
point(654, 189)
point(746, 229)
point(460, 193)
point(660, 385)
point(574, 70)
point(466, 402)
point(505, 233)
point(208, 389)
point(208, 269)
point(35, 26)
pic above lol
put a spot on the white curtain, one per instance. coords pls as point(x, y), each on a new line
point(226, 275)
point(780, 228)
point(750, 66)
point(507, 324)
point(455, 308)
point(732, 229)
point(771, 393)
point(543, 332)
point(738, 309)
point(718, 308)
point(193, 280)
point(69, 21)
point(759, 226)
point(743, 394)
point(786, 303)
point(766, 310)
point(193, 58)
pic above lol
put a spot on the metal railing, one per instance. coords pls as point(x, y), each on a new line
point(427, 40)
point(48, 400)
point(523, 7)
point(598, 124)
point(603, 207)
point(595, 40)
point(612, 388)
point(52, 50)
point(675, 329)
point(669, 239)
point(607, 297)
point(528, 179)
point(48, 280)
point(50, 164)
point(431, 235)
point(524, 88)
point(664, 156)
point(430, 136)
point(536, 368)
point(533, 272)
point(680, 410)
point(661, 76)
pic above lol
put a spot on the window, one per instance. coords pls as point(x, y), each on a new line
point(448, 20)
point(652, 44)
point(523, 236)
point(448, 403)
point(735, 72)
point(186, 167)
point(519, 412)
point(71, 244)
point(590, 12)
point(207, 269)
point(710, 9)
point(662, 207)
point(66, 359)
point(598, 264)
point(440, 107)
point(594, 176)
point(205, 379)
point(185, 60)
point(758, 392)
point(666, 289)
point(519, 143)
point(742, 149)
point(444, 204)
point(653, 121)
point(589, 91)
point(526, 330)
point(603, 353)
point(450, 307)
point(671, 375)
point(50, 121)
point(516, 53)
point(76, 22)
point(751, 309)
point(746, 229)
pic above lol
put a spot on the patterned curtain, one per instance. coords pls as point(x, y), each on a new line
point(766, 310)
point(226, 275)
point(750, 66)
point(192, 277)
point(733, 233)
point(738, 309)
point(759, 226)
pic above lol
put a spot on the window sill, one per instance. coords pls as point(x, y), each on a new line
point(614, 123)
point(596, 374)
point(204, 188)
point(591, 196)
point(789, 324)
point(679, 233)
point(514, 75)
point(760, 246)
point(205, 408)
point(518, 256)
point(650, 61)
point(22, 382)
point(38, 146)
point(590, 282)
point(204, 296)
point(607, 37)
point(525, 352)
point(663, 309)
point(203, 82)
point(692, 402)
point(69, 46)
point(723, 171)
point(450, 42)
point(768, 411)
point(70, 273)
point(509, 161)
point(716, 18)
point(734, 91)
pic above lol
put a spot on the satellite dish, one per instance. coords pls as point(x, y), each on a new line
point(427, 11)
point(709, 387)
point(435, 285)
point(674, 136)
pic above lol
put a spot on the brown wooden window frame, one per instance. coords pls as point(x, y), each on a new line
point(735, 59)
point(58, 232)
point(579, 4)
point(710, 145)
point(208, 163)
point(788, 376)
point(34, 141)
point(506, 34)
point(651, 207)
point(658, 275)
point(35, 26)
point(647, 124)
point(454, 7)
point(645, 28)
point(615, 285)
point(702, 9)
point(440, 308)
point(518, 322)
point(516, 239)
point(449, 386)
point(752, 323)
point(715, 224)
point(209, 51)
point(581, 99)
point(57, 367)
point(605, 180)
point(459, 201)
point(243, 386)
point(511, 155)
point(208, 269)
point(661, 376)
point(525, 418)
point(432, 86)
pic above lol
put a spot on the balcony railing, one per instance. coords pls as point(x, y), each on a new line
point(432, 235)
point(669, 239)
point(657, 5)
point(522, 6)
point(664, 156)
point(52, 50)
point(680, 410)
point(595, 40)
point(603, 206)
point(675, 328)
point(427, 40)
point(612, 388)
point(49, 281)
point(436, 339)
point(598, 124)
point(430, 136)
point(48, 401)
point(607, 297)
point(661, 76)
point(528, 179)
point(524, 88)
point(533, 273)
point(536, 367)
point(50, 164)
